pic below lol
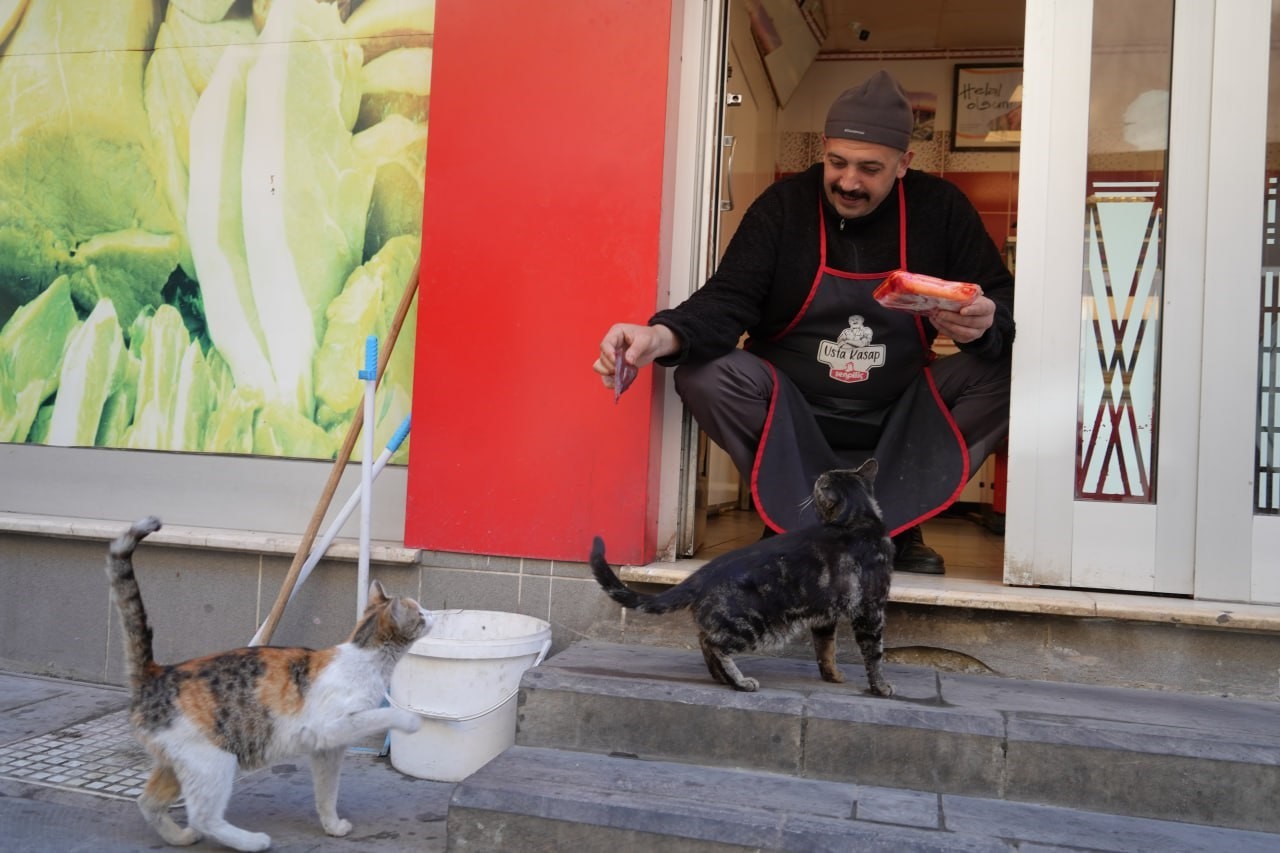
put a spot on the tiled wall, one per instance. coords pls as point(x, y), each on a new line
point(995, 195)
point(56, 619)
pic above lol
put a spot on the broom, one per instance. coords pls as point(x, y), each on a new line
point(339, 464)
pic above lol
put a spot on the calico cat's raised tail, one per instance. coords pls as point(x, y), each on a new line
point(204, 718)
point(759, 595)
point(138, 653)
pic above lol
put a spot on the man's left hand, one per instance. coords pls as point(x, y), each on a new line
point(969, 323)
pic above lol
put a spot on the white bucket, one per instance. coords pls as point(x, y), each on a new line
point(462, 678)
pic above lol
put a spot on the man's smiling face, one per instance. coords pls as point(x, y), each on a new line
point(857, 176)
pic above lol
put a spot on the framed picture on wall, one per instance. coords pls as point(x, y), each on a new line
point(986, 108)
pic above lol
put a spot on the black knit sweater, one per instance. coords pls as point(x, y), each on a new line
point(772, 259)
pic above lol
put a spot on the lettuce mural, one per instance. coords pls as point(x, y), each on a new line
point(205, 208)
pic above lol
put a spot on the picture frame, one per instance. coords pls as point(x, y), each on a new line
point(986, 107)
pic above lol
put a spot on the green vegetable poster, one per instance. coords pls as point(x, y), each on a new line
point(206, 206)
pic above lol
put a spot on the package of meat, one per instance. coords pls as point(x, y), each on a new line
point(909, 291)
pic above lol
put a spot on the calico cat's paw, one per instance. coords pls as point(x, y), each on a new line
point(184, 838)
point(172, 833)
point(882, 688)
point(407, 721)
point(747, 685)
point(250, 841)
point(337, 828)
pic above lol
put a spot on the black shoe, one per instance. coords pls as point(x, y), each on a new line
point(915, 556)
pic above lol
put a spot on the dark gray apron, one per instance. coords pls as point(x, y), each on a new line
point(851, 380)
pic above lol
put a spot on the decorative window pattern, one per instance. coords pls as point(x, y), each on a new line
point(1267, 445)
point(1122, 294)
point(1120, 336)
point(1268, 436)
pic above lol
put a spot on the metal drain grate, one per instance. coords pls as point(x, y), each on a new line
point(98, 756)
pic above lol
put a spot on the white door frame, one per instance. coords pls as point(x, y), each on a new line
point(1042, 412)
point(1238, 553)
point(691, 170)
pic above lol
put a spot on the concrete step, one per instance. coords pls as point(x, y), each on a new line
point(1118, 751)
point(532, 798)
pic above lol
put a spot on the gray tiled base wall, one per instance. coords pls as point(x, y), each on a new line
point(56, 618)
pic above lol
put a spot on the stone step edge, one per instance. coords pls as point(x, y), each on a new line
point(1103, 749)
point(610, 795)
point(1008, 726)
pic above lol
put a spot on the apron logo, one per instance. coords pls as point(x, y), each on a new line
point(851, 356)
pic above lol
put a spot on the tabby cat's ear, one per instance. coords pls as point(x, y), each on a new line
point(869, 469)
point(377, 594)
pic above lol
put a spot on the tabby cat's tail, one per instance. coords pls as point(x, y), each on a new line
point(124, 588)
point(675, 598)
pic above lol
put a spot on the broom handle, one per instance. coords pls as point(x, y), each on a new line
point(339, 465)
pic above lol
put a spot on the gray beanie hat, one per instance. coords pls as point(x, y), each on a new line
point(875, 111)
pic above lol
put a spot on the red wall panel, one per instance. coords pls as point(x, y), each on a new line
point(541, 228)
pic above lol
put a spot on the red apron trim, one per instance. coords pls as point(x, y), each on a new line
point(924, 343)
point(924, 339)
point(822, 261)
point(764, 439)
point(964, 456)
point(813, 291)
point(902, 226)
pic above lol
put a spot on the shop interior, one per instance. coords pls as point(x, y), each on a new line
point(784, 63)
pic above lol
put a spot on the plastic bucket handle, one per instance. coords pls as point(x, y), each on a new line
point(461, 718)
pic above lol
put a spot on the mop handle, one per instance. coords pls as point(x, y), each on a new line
point(369, 375)
point(401, 433)
point(339, 466)
point(370, 371)
point(318, 551)
point(349, 507)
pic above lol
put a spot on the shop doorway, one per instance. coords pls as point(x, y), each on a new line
point(769, 107)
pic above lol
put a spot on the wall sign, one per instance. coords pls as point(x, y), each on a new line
point(986, 108)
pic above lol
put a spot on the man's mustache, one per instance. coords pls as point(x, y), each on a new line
point(854, 195)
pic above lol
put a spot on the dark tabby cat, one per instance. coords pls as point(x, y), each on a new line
point(763, 593)
point(203, 718)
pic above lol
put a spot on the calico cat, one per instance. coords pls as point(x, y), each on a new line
point(764, 592)
point(204, 718)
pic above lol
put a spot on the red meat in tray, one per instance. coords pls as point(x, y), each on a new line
point(909, 291)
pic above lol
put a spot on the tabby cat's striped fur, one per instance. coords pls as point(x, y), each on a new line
point(811, 577)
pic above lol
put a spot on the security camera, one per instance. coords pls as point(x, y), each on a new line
point(863, 35)
point(856, 28)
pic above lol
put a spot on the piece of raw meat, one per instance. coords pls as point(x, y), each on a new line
point(623, 373)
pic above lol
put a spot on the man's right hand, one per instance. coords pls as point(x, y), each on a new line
point(643, 345)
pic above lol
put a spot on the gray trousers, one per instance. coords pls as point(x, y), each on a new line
point(729, 398)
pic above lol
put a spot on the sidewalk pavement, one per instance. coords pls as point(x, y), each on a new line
point(69, 771)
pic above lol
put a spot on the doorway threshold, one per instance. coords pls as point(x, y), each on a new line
point(991, 594)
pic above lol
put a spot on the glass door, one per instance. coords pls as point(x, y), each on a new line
point(1103, 437)
point(1141, 373)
